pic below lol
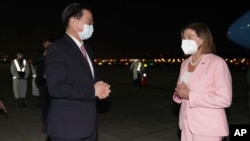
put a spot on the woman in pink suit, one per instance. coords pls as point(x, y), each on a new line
point(204, 87)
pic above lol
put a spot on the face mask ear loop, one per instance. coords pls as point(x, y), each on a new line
point(197, 44)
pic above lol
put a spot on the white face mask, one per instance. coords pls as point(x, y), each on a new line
point(189, 46)
point(87, 32)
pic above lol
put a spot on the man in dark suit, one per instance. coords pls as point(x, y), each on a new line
point(72, 80)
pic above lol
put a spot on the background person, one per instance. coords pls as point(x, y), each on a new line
point(39, 63)
point(137, 69)
point(35, 90)
point(20, 71)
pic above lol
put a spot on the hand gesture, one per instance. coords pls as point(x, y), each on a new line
point(182, 91)
point(102, 89)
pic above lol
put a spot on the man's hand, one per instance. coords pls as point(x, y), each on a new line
point(102, 89)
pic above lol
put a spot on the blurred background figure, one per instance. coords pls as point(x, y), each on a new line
point(38, 61)
point(20, 71)
point(137, 69)
point(35, 90)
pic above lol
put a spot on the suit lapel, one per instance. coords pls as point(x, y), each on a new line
point(199, 70)
point(76, 52)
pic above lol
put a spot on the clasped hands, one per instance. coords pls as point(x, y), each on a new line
point(182, 91)
point(102, 89)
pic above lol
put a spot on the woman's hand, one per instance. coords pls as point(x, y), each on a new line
point(182, 91)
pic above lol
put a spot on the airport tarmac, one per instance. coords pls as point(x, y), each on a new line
point(129, 114)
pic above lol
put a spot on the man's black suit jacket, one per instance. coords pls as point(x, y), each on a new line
point(72, 112)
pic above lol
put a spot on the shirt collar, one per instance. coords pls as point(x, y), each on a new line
point(79, 44)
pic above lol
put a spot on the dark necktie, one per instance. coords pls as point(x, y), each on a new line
point(84, 51)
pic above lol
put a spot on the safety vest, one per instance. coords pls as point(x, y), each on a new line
point(33, 71)
point(18, 67)
point(139, 67)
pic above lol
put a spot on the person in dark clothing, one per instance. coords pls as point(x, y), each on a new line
point(38, 61)
point(72, 79)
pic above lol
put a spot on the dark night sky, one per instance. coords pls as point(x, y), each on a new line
point(122, 29)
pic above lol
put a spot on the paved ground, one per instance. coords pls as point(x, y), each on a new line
point(130, 114)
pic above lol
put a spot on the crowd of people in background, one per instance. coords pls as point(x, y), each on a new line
point(22, 69)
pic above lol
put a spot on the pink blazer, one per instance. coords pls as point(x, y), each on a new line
point(210, 93)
